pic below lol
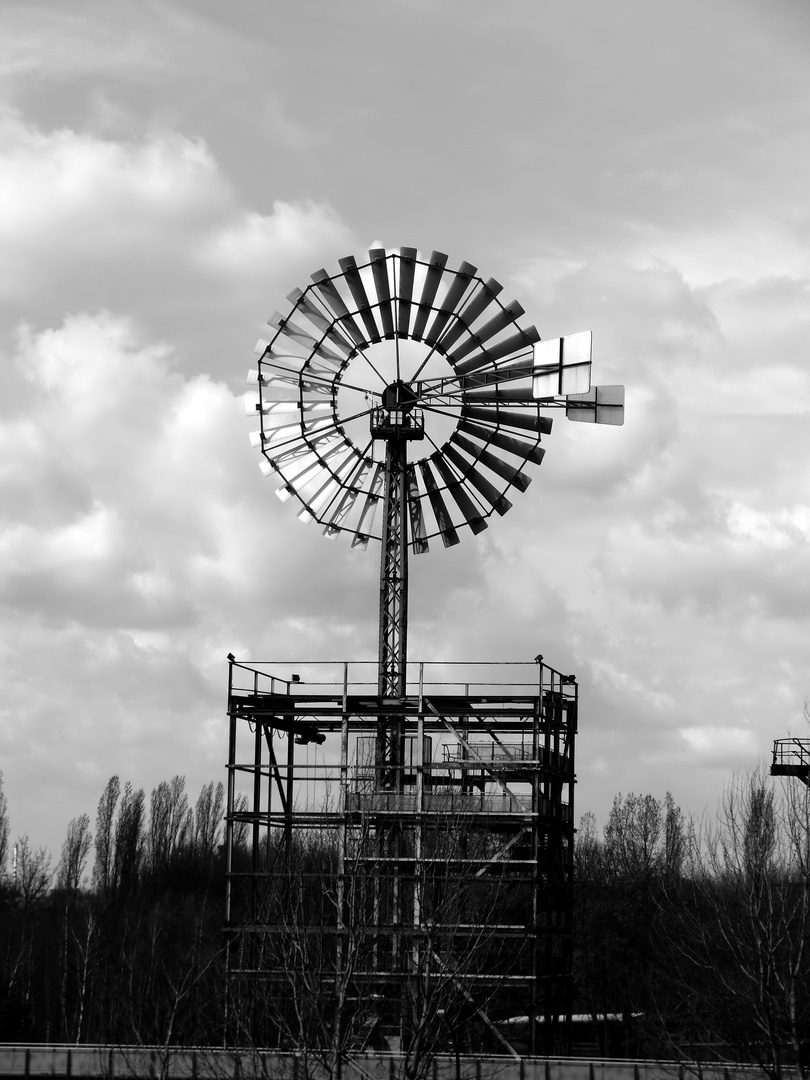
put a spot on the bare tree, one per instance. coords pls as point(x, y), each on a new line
point(304, 983)
point(105, 840)
point(33, 873)
point(329, 976)
point(208, 814)
point(78, 929)
point(620, 879)
point(129, 840)
point(75, 849)
point(740, 926)
point(4, 831)
point(170, 823)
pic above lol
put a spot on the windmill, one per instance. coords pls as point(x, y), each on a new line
point(401, 400)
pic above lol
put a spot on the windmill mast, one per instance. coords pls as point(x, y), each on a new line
point(397, 422)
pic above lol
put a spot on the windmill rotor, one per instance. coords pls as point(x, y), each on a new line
point(404, 351)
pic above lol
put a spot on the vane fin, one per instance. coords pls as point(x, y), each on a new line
point(601, 405)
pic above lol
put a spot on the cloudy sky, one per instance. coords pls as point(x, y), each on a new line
point(170, 170)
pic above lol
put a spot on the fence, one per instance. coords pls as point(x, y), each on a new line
point(135, 1063)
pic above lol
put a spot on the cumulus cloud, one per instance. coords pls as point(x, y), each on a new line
point(139, 545)
point(71, 200)
point(149, 226)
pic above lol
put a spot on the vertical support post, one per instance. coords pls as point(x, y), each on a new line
point(420, 810)
point(288, 813)
point(230, 795)
point(229, 934)
point(257, 795)
point(344, 810)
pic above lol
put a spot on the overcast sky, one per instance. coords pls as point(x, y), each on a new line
point(170, 170)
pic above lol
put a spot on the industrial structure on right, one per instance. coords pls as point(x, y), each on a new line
point(791, 757)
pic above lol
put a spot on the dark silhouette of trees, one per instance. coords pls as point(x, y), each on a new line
point(620, 880)
point(4, 832)
point(75, 849)
point(133, 955)
point(696, 939)
point(105, 816)
point(739, 926)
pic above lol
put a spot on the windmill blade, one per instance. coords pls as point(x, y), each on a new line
point(303, 304)
point(524, 421)
point(358, 291)
point(436, 265)
point(373, 499)
point(525, 450)
point(275, 397)
point(309, 512)
point(328, 364)
point(419, 542)
point(339, 511)
point(319, 488)
point(447, 530)
point(563, 366)
point(379, 269)
point(474, 307)
point(601, 405)
point(472, 515)
point(322, 377)
point(407, 267)
point(333, 299)
point(319, 441)
point(297, 461)
point(506, 373)
point(336, 512)
point(270, 366)
point(496, 394)
point(292, 429)
point(458, 287)
point(326, 493)
point(496, 499)
point(294, 381)
point(290, 330)
point(508, 472)
point(275, 407)
point(477, 338)
point(517, 342)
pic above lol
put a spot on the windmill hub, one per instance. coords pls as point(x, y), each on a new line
point(399, 395)
point(396, 418)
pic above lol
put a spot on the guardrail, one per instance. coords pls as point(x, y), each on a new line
point(144, 1062)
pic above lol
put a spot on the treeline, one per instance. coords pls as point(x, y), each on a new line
point(692, 937)
point(126, 949)
point(696, 935)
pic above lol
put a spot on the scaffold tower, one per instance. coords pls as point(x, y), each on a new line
point(461, 854)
